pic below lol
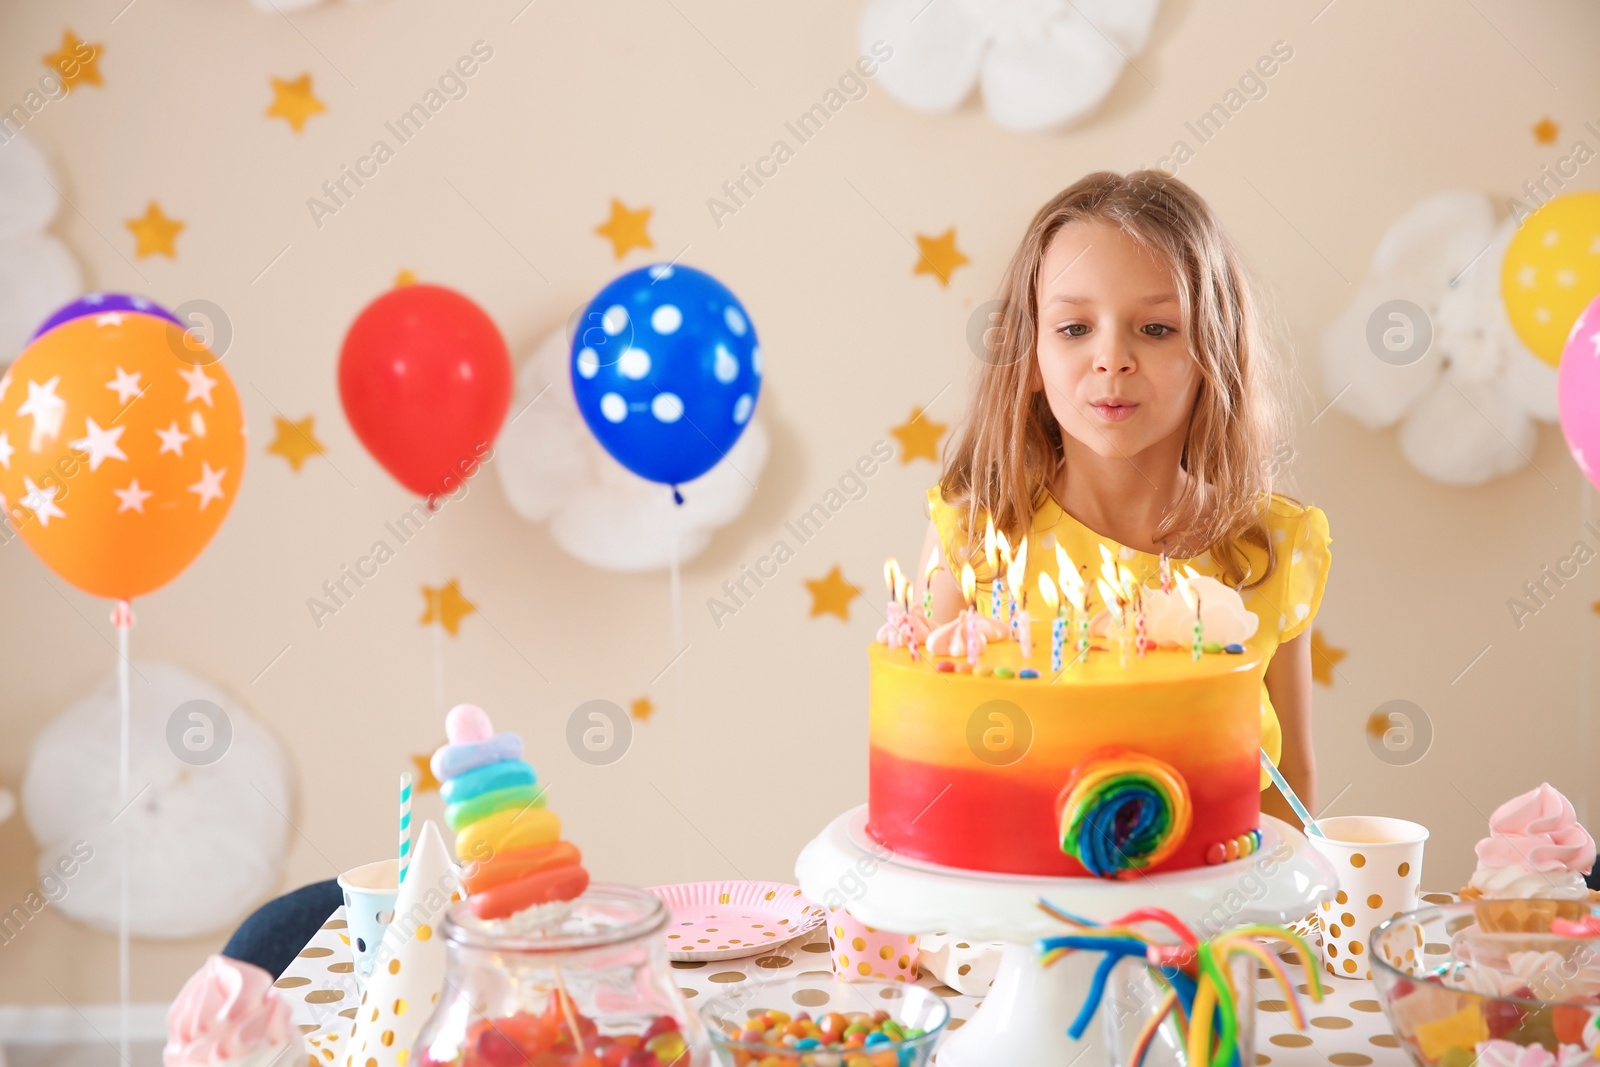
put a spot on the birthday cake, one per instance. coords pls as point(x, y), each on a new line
point(1096, 744)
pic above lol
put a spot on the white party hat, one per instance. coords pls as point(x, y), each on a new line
point(409, 970)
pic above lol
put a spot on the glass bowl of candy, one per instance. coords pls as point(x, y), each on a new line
point(817, 1021)
point(1501, 981)
point(584, 983)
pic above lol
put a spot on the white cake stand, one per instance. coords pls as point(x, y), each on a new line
point(1025, 1016)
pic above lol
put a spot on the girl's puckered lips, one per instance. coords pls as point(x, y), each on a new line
point(1114, 408)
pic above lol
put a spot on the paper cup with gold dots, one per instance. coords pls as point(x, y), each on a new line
point(1379, 862)
point(369, 895)
point(862, 953)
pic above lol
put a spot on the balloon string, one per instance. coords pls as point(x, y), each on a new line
point(122, 619)
point(673, 527)
point(438, 623)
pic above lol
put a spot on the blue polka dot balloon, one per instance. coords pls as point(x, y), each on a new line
point(666, 369)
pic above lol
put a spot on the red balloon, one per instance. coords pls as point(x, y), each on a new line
point(425, 378)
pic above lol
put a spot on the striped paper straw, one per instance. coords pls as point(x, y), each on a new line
point(1288, 792)
point(405, 824)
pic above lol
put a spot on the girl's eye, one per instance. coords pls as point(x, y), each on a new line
point(1156, 329)
point(1074, 329)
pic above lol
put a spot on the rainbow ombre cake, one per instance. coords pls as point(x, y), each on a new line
point(1107, 770)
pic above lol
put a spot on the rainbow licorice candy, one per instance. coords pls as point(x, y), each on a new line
point(1123, 813)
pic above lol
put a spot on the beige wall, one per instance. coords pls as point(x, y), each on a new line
point(1381, 105)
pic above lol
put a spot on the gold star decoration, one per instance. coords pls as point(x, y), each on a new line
point(296, 441)
point(446, 606)
point(1545, 131)
point(918, 437)
point(626, 229)
point(1595, 607)
point(77, 61)
point(640, 709)
point(406, 277)
point(155, 233)
point(425, 781)
point(940, 256)
point(294, 102)
point(1324, 658)
point(831, 595)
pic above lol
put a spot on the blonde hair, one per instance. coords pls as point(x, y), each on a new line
point(1001, 464)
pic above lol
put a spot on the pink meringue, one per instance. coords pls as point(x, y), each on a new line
point(227, 1013)
point(1535, 848)
point(951, 638)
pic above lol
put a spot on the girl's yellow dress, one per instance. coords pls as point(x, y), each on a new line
point(1285, 602)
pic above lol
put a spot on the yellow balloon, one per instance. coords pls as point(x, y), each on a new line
point(1552, 271)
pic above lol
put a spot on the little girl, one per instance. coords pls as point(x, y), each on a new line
point(1128, 400)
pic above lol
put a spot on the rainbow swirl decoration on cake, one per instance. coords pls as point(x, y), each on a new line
point(508, 842)
point(1123, 812)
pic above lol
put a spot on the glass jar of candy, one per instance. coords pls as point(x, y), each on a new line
point(582, 984)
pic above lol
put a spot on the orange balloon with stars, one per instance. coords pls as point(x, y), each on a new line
point(121, 450)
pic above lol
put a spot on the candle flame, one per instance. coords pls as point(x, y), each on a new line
point(1126, 580)
point(1022, 554)
point(1190, 571)
point(988, 542)
point(892, 577)
point(1067, 571)
point(1047, 590)
point(933, 565)
point(1188, 594)
point(969, 583)
point(1003, 547)
point(1110, 597)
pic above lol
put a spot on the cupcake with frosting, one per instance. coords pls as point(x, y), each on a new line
point(1536, 857)
point(229, 1015)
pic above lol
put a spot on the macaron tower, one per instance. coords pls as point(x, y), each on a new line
point(509, 843)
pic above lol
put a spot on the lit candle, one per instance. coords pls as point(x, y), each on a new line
point(969, 586)
point(927, 583)
point(1191, 598)
point(1058, 621)
point(893, 579)
point(1017, 589)
point(1134, 617)
point(912, 643)
point(998, 586)
point(1114, 625)
point(1166, 574)
point(990, 557)
point(1072, 590)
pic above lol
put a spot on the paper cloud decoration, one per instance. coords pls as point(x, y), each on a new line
point(1040, 65)
point(206, 840)
point(1466, 408)
point(37, 272)
point(408, 973)
point(553, 470)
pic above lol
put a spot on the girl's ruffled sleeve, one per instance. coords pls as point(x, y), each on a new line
point(1306, 556)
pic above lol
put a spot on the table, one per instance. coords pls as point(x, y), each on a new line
point(1346, 1030)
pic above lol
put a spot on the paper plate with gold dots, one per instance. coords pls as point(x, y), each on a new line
point(729, 920)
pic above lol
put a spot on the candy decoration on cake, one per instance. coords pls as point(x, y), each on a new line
point(510, 841)
point(1124, 812)
point(1197, 975)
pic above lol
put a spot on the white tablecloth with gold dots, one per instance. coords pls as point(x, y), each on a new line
point(1346, 1030)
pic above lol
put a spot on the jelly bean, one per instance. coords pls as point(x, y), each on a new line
point(1004, 672)
point(467, 812)
point(1211, 646)
point(983, 671)
point(944, 666)
point(562, 883)
point(1027, 672)
point(451, 760)
point(1233, 650)
point(466, 723)
point(507, 830)
point(486, 779)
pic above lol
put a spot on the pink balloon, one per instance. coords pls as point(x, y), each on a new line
point(466, 723)
point(1578, 391)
